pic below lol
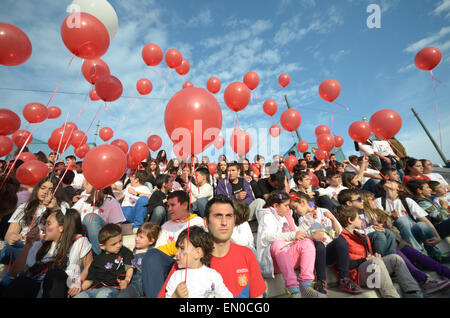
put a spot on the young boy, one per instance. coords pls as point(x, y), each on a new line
point(200, 193)
point(111, 270)
point(370, 269)
point(335, 186)
point(441, 197)
point(194, 278)
point(132, 193)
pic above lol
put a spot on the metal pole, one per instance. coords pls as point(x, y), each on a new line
point(289, 107)
point(431, 138)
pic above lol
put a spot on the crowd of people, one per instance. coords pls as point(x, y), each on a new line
point(379, 213)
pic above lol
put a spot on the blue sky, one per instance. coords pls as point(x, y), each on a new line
point(309, 39)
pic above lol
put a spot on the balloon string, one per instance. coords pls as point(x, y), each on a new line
point(443, 84)
point(60, 81)
point(93, 119)
point(122, 119)
point(93, 206)
point(437, 108)
point(346, 108)
point(332, 121)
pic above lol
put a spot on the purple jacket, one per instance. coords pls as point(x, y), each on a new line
point(224, 188)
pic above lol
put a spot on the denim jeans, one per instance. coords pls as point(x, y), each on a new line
point(102, 292)
point(9, 251)
point(405, 226)
point(422, 231)
point(159, 215)
point(136, 214)
point(199, 206)
point(155, 268)
point(93, 227)
point(383, 243)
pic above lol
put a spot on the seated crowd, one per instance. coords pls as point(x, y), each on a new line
point(205, 230)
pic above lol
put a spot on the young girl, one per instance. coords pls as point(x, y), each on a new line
point(161, 160)
point(242, 233)
point(153, 172)
point(199, 280)
point(281, 248)
point(54, 265)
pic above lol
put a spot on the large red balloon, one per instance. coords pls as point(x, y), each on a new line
point(9, 121)
point(290, 162)
point(359, 131)
point(270, 107)
point(241, 141)
point(219, 142)
point(84, 35)
point(108, 88)
point(144, 86)
point(184, 67)
point(6, 146)
point(325, 142)
point(179, 152)
point(237, 96)
point(173, 58)
point(31, 172)
point(53, 112)
point(193, 117)
point(154, 142)
point(284, 79)
point(94, 69)
point(106, 133)
point(15, 46)
point(322, 129)
point(322, 154)
point(302, 146)
point(22, 137)
point(104, 165)
point(338, 141)
point(428, 58)
point(139, 151)
point(290, 119)
point(35, 113)
point(132, 163)
point(152, 54)
point(213, 85)
point(26, 156)
point(81, 151)
point(187, 85)
point(121, 144)
point(251, 79)
point(329, 90)
point(78, 139)
point(385, 123)
point(275, 131)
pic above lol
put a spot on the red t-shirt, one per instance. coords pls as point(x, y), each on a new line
point(239, 270)
point(406, 179)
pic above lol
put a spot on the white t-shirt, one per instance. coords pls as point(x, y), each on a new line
point(437, 177)
point(130, 199)
point(436, 200)
point(80, 248)
point(363, 149)
point(203, 282)
point(331, 191)
point(77, 180)
point(383, 148)
point(371, 171)
point(205, 191)
point(110, 211)
point(242, 235)
point(170, 230)
point(416, 211)
point(18, 217)
point(310, 225)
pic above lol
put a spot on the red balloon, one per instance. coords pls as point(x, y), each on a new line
point(270, 107)
point(219, 142)
point(284, 80)
point(93, 95)
point(329, 90)
point(385, 123)
point(237, 96)
point(53, 112)
point(314, 179)
point(15, 46)
point(213, 85)
point(106, 133)
point(322, 129)
point(359, 131)
point(184, 67)
point(428, 58)
point(139, 151)
point(26, 156)
point(275, 131)
point(131, 163)
point(194, 118)
point(84, 35)
point(56, 146)
point(108, 88)
point(173, 58)
point(187, 85)
point(338, 141)
point(104, 165)
point(61, 137)
point(9, 121)
point(31, 172)
point(251, 79)
point(241, 141)
point(122, 144)
point(290, 119)
point(94, 69)
point(325, 142)
point(70, 127)
point(81, 151)
point(152, 54)
point(302, 146)
point(322, 154)
point(78, 139)
point(6, 146)
point(290, 162)
point(35, 113)
point(22, 137)
point(144, 86)
point(154, 142)
point(212, 167)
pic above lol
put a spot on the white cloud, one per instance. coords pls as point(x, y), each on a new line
point(443, 6)
point(431, 40)
point(336, 57)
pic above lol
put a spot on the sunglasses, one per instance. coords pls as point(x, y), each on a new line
point(358, 199)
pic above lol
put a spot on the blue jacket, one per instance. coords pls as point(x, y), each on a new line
point(224, 188)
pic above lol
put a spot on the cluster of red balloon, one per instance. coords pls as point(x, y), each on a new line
point(15, 46)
